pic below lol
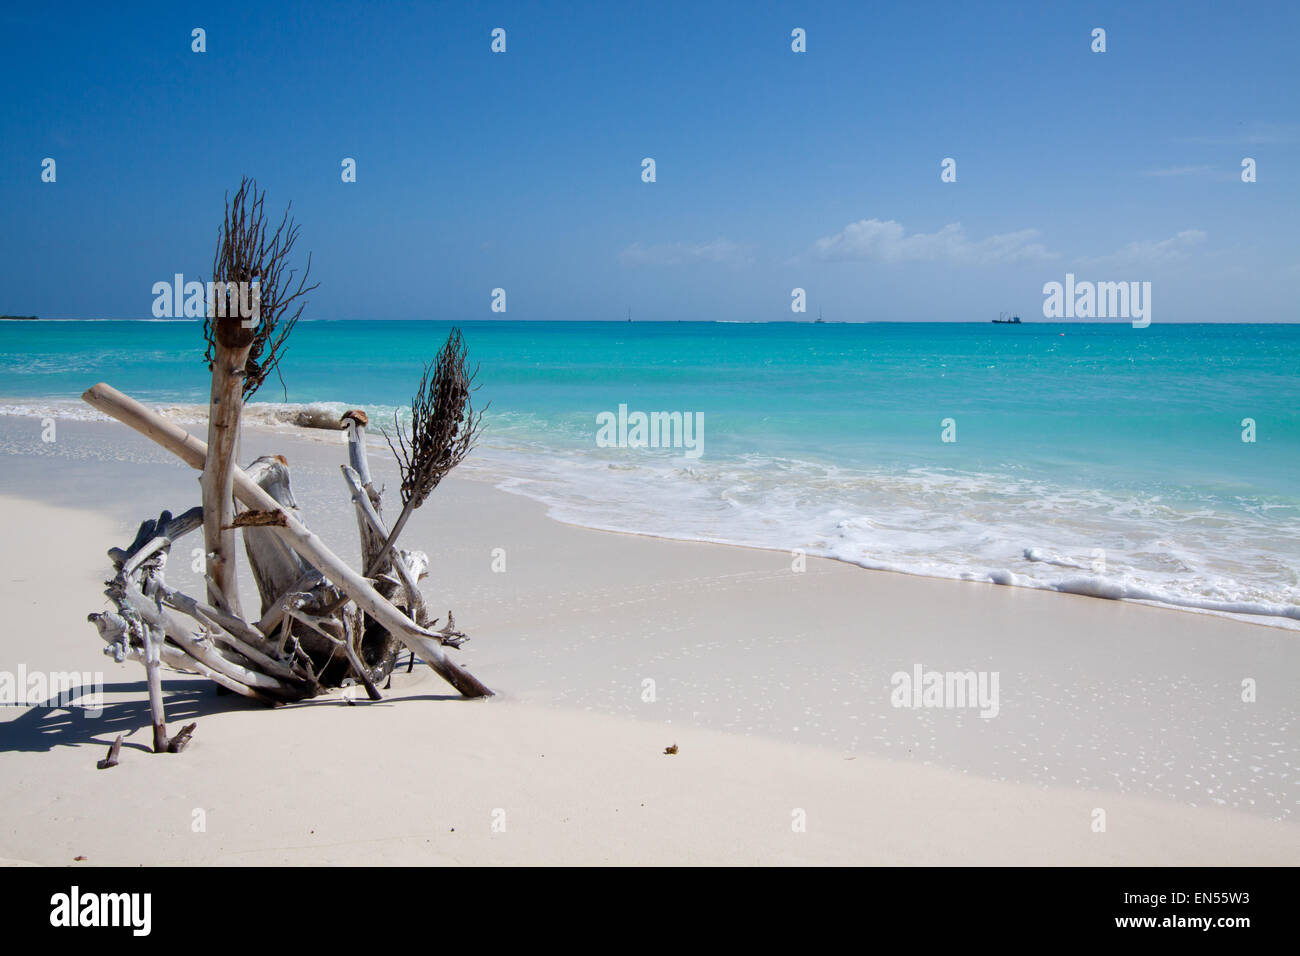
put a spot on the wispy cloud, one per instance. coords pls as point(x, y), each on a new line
point(1252, 134)
point(871, 239)
point(1179, 171)
point(720, 251)
point(1150, 252)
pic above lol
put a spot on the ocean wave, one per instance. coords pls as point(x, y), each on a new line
point(310, 415)
point(960, 526)
point(1232, 556)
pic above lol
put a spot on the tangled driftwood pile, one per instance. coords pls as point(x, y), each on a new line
point(322, 624)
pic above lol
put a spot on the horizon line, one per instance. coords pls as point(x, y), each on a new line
point(1023, 322)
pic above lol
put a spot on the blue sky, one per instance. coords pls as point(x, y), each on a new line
point(775, 169)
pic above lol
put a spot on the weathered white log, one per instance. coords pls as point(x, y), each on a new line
point(228, 630)
point(422, 642)
point(170, 532)
point(356, 421)
point(285, 572)
point(177, 659)
point(231, 341)
point(196, 645)
point(368, 503)
point(368, 519)
point(153, 641)
point(374, 553)
point(204, 613)
point(115, 631)
point(277, 568)
point(214, 589)
point(272, 473)
point(154, 546)
point(112, 628)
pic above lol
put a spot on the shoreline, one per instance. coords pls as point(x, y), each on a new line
point(298, 421)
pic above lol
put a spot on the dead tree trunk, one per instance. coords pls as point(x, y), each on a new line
point(232, 341)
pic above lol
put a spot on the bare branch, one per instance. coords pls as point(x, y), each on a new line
point(247, 252)
point(444, 428)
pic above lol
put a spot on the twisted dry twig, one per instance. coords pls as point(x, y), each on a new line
point(444, 430)
point(247, 253)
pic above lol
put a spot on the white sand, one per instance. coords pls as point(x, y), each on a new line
point(775, 686)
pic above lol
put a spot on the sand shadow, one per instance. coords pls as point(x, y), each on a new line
point(42, 727)
point(359, 699)
point(54, 723)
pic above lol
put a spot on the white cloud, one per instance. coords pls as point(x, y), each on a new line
point(720, 251)
point(1152, 251)
point(871, 239)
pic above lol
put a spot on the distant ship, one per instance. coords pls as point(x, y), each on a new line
point(820, 320)
point(1003, 320)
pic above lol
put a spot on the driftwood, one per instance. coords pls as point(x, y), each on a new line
point(232, 342)
point(277, 569)
point(322, 624)
point(424, 643)
point(153, 676)
point(181, 740)
point(118, 631)
point(246, 327)
point(113, 750)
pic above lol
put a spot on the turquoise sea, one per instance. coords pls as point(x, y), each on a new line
point(1088, 457)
